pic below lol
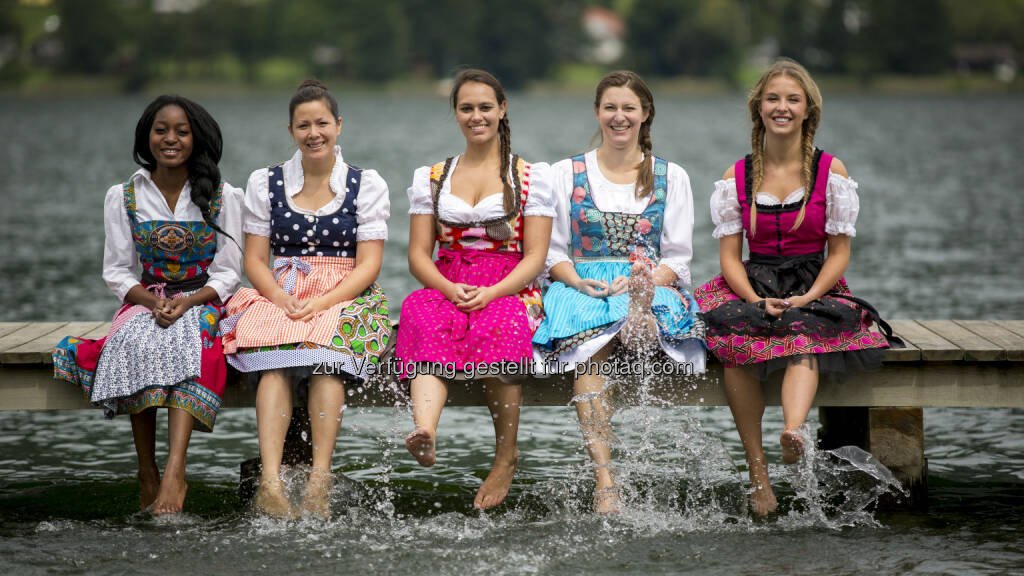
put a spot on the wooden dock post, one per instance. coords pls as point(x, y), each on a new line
point(894, 436)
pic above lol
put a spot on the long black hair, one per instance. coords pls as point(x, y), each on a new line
point(207, 145)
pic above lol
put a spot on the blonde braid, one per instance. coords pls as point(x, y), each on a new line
point(756, 170)
point(807, 143)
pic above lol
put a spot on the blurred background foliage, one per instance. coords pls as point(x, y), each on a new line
point(133, 43)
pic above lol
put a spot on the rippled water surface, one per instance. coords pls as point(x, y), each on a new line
point(938, 237)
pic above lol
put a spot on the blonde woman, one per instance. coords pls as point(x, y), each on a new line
point(787, 307)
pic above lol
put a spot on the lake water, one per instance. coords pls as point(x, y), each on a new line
point(938, 237)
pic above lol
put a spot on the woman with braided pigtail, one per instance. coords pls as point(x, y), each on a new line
point(620, 263)
point(178, 220)
point(788, 307)
point(479, 304)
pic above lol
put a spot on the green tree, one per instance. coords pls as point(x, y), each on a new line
point(668, 37)
point(910, 36)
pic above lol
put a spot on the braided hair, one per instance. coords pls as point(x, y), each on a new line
point(791, 69)
point(633, 81)
point(207, 145)
point(504, 129)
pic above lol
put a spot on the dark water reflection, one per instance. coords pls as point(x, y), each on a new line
point(938, 236)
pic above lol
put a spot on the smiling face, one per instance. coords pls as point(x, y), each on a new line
point(783, 106)
point(619, 115)
point(314, 129)
point(478, 112)
point(170, 137)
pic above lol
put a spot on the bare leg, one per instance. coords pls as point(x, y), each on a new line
point(273, 414)
point(326, 399)
point(173, 486)
point(144, 434)
point(503, 401)
point(428, 394)
point(799, 385)
point(746, 400)
point(640, 328)
point(594, 411)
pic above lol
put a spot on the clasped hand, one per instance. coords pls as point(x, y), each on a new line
point(469, 298)
point(301, 310)
point(166, 311)
point(776, 306)
point(600, 289)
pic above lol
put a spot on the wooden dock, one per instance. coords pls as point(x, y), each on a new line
point(968, 363)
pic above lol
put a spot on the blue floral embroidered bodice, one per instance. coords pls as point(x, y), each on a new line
point(613, 235)
point(169, 250)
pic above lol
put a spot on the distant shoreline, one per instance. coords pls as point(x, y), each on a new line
point(941, 84)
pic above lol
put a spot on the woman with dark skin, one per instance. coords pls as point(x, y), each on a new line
point(178, 220)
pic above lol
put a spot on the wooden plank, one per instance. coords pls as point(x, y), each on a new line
point(40, 350)
point(8, 327)
point(973, 385)
point(974, 346)
point(98, 332)
point(1011, 342)
point(27, 334)
point(909, 353)
point(1015, 326)
point(934, 348)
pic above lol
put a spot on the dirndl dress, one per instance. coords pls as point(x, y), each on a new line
point(578, 325)
point(140, 365)
point(437, 336)
point(834, 333)
point(312, 256)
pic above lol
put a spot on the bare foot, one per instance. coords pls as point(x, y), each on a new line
point(762, 499)
point(149, 487)
point(792, 446)
point(420, 443)
point(641, 287)
point(171, 497)
point(271, 500)
point(495, 487)
point(606, 497)
point(640, 327)
point(317, 499)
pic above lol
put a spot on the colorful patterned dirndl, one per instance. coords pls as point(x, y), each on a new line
point(138, 364)
point(834, 332)
point(578, 325)
point(312, 256)
point(479, 254)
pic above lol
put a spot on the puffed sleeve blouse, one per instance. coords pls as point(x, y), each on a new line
point(121, 262)
point(676, 232)
point(841, 206)
point(451, 208)
point(373, 206)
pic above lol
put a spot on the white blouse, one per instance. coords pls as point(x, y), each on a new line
point(121, 262)
point(676, 230)
point(451, 208)
point(841, 206)
point(373, 206)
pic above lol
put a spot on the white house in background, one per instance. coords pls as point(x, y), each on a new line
point(607, 34)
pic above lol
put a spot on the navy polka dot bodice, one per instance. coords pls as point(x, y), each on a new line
point(296, 234)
